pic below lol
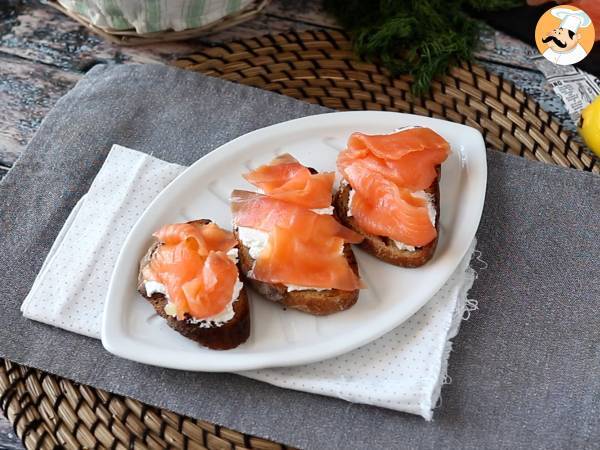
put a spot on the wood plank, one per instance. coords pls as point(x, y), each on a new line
point(27, 91)
point(261, 25)
point(8, 439)
point(308, 11)
point(43, 34)
point(501, 48)
point(43, 52)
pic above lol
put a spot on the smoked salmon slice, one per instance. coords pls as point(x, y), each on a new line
point(385, 172)
point(254, 210)
point(408, 157)
point(304, 248)
point(310, 260)
point(191, 262)
point(398, 144)
point(207, 236)
point(382, 208)
point(284, 178)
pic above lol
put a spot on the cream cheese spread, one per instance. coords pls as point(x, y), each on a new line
point(293, 287)
point(255, 240)
point(324, 211)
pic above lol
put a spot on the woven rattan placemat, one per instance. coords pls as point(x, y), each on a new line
point(49, 411)
point(319, 67)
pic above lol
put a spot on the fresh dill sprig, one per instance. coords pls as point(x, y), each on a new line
point(422, 38)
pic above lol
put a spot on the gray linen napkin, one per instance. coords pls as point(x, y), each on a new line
point(526, 365)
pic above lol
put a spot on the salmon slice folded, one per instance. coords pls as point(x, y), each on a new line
point(304, 248)
point(254, 210)
point(384, 172)
point(192, 263)
point(399, 144)
point(382, 208)
point(208, 236)
point(284, 178)
point(408, 157)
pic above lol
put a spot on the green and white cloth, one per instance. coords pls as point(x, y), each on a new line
point(146, 16)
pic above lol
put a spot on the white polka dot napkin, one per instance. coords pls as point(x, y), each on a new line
point(403, 370)
point(69, 291)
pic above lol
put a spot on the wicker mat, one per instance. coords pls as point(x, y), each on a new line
point(49, 411)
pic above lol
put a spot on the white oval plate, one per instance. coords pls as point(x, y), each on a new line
point(132, 330)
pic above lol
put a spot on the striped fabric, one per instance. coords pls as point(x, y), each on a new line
point(146, 16)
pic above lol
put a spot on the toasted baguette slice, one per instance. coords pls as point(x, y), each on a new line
point(383, 247)
point(318, 303)
point(226, 336)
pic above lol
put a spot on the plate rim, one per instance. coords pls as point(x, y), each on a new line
point(118, 343)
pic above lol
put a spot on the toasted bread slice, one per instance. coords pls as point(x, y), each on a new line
point(316, 302)
point(383, 247)
point(217, 337)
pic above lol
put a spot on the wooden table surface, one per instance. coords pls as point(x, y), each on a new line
point(43, 53)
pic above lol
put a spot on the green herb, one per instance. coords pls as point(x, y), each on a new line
point(422, 38)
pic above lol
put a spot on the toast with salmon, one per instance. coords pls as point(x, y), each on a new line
point(228, 333)
point(383, 247)
point(292, 249)
point(315, 302)
point(390, 193)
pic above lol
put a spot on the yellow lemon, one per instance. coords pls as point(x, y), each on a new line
point(590, 125)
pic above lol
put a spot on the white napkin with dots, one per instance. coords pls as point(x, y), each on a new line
point(403, 370)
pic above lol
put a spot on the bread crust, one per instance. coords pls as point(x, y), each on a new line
point(318, 303)
point(227, 336)
point(383, 247)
